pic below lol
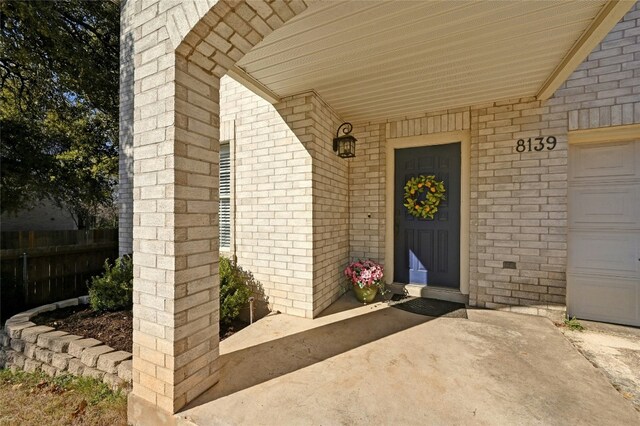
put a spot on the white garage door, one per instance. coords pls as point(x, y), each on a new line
point(603, 273)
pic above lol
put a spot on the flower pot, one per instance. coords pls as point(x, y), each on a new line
point(366, 294)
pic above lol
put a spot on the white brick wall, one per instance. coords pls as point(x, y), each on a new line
point(330, 206)
point(518, 201)
point(604, 90)
point(518, 207)
point(291, 197)
point(366, 193)
point(273, 197)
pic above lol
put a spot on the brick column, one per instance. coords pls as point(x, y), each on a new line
point(176, 241)
point(181, 51)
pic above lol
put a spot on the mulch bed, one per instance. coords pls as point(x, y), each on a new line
point(114, 329)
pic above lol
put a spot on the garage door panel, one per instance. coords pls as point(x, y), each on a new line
point(605, 204)
point(604, 298)
point(611, 160)
point(603, 260)
point(605, 253)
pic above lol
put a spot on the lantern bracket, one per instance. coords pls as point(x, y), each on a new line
point(344, 140)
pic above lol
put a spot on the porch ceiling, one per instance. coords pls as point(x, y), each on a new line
point(372, 60)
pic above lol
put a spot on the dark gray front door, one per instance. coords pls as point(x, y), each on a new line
point(428, 251)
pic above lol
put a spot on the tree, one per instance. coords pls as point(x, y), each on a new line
point(59, 69)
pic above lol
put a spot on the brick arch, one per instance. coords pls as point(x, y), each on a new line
point(230, 29)
point(182, 49)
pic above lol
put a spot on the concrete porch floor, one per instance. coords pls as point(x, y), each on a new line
point(380, 365)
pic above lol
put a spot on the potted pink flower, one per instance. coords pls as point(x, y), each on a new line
point(366, 279)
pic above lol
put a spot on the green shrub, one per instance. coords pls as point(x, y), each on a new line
point(113, 291)
point(234, 290)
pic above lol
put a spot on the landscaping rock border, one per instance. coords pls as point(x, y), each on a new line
point(30, 347)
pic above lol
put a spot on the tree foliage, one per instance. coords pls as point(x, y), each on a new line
point(59, 103)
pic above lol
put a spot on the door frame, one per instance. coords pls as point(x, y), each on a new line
point(393, 144)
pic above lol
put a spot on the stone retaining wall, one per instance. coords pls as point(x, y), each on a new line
point(30, 347)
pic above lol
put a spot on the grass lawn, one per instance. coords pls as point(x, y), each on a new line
point(37, 399)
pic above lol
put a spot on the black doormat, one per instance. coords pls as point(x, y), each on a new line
point(429, 307)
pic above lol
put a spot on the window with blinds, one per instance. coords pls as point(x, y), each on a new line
point(225, 195)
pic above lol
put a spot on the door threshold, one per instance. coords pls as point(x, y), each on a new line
point(427, 292)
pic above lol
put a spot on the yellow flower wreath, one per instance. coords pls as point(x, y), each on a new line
point(426, 208)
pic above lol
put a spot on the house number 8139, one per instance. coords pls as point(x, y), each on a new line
point(536, 144)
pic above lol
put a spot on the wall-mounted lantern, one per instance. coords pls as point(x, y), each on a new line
point(345, 145)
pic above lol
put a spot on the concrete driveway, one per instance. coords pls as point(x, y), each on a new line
point(615, 350)
point(380, 365)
